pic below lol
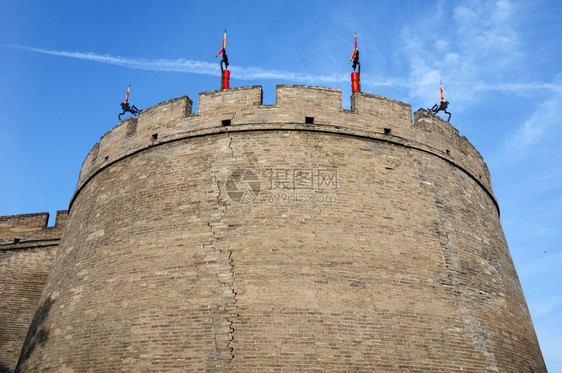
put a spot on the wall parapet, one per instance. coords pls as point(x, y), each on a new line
point(30, 229)
point(298, 108)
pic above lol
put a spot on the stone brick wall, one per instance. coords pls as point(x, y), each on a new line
point(291, 237)
point(369, 116)
point(27, 252)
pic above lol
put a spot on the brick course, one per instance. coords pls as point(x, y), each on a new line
point(399, 263)
point(27, 252)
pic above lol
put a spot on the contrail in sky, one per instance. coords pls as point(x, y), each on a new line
point(182, 65)
point(187, 66)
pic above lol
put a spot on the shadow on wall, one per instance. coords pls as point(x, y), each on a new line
point(37, 335)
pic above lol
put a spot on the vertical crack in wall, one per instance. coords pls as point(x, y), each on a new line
point(219, 263)
point(465, 294)
point(229, 146)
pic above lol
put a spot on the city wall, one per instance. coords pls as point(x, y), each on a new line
point(27, 252)
point(392, 258)
point(241, 109)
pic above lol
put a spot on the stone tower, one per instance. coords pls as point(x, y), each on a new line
point(290, 237)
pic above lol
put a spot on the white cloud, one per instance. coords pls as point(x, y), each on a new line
point(178, 65)
point(524, 89)
point(546, 117)
point(470, 49)
point(487, 29)
point(190, 66)
point(429, 62)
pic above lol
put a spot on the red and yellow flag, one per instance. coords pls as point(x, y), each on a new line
point(355, 50)
point(442, 94)
point(223, 44)
point(127, 95)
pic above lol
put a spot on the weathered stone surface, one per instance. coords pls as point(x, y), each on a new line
point(27, 252)
point(292, 237)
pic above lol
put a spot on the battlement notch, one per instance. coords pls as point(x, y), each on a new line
point(296, 108)
point(18, 229)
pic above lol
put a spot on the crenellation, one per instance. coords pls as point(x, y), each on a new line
point(162, 120)
point(23, 223)
point(61, 219)
point(243, 236)
point(225, 102)
point(167, 111)
point(113, 142)
point(226, 107)
point(27, 251)
point(436, 132)
point(445, 139)
point(295, 103)
point(378, 113)
point(17, 229)
point(240, 109)
point(295, 97)
point(131, 126)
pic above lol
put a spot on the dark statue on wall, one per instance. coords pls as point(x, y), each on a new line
point(224, 60)
point(356, 61)
point(441, 107)
point(128, 108)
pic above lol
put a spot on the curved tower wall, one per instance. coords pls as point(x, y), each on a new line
point(374, 244)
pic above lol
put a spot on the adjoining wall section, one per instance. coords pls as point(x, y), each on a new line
point(299, 108)
point(29, 229)
point(27, 251)
point(294, 236)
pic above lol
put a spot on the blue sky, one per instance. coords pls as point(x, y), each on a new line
point(65, 67)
